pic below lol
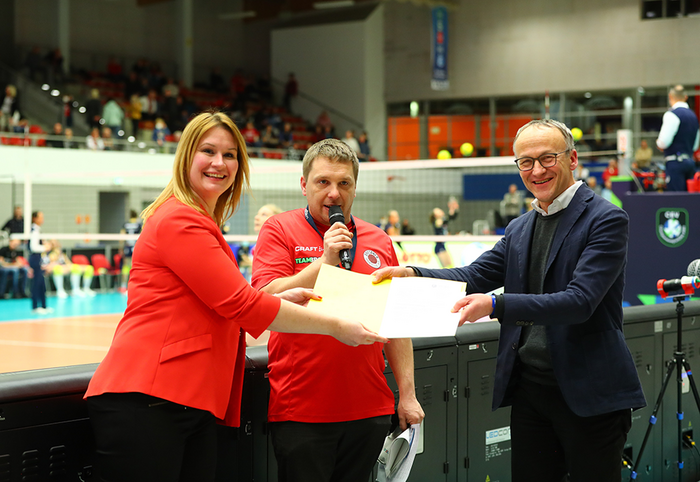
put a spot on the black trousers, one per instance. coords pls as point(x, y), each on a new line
point(140, 438)
point(38, 282)
point(328, 452)
point(548, 440)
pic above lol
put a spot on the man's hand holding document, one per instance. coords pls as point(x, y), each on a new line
point(396, 308)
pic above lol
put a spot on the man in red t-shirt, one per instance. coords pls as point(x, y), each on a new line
point(330, 405)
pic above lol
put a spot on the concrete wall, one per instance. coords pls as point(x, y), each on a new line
point(512, 47)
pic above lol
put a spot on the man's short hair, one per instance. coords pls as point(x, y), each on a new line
point(549, 124)
point(334, 150)
point(678, 92)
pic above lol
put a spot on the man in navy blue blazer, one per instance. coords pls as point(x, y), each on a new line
point(563, 364)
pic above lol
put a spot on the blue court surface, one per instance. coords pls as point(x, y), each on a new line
point(100, 304)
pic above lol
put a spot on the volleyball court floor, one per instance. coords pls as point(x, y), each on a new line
point(79, 331)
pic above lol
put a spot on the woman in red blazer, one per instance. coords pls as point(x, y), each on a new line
point(175, 367)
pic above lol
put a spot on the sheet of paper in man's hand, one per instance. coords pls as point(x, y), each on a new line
point(421, 307)
point(399, 308)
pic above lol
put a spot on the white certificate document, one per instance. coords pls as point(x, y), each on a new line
point(398, 308)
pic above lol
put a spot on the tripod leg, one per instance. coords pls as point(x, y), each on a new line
point(679, 412)
point(694, 388)
point(652, 418)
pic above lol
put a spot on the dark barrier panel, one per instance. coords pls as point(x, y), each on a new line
point(45, 432)
point(44, 427)
point(436, 378)
point(483, 440)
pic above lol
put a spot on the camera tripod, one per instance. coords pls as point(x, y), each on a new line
point(678, 363)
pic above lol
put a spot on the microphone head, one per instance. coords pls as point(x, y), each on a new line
point(694, 268)
point(335, 215)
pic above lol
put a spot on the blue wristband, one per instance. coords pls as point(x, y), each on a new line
point(493, 304)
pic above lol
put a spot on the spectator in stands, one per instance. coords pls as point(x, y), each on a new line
point(324, 120)
point(592, 182)
point(237, 88)
point(69, 143)
point(160, 132)
point(94, 142)
point(108, 139)
point(57, 132)
point(350, 140)
point(318, 133)
point(581, 173)
point(513, 203)
point(406, 228)
point(393, 225)
point(93, 109)
point(273, 118)
point(22, 127)
point(270, 137)
point(132, 85)
point(67, 114)
point(12, 267)
point(9, 108)
point(37, 249)
point(610, 171)
point(177, 358)
point(328, 132)
point(170, 108)
point(291, 89)
point(251, 135)
point(15, 225)
point(364, 154)
point(113, 115)
point(149, 106)
point(135, 113)
point(264, 213)
point(114, 70)
point(156, 77)
point(286, 136)
point(180, 114)
point(643, 155)
point(140, 67)
point(170, 88)
point(58, 266)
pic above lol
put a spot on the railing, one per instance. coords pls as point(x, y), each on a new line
point(129, 144)
point(322, 105)
point(41, 105)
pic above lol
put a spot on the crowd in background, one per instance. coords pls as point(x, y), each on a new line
point(144, 104)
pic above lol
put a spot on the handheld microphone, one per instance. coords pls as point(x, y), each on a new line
point(686, 284)
point(335, 215)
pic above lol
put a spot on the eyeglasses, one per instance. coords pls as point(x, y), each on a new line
point(545, 160)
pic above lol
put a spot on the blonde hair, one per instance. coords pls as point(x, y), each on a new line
point(180, 187)
point(272, 207)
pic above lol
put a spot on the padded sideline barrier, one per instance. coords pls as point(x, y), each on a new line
point(45, 433)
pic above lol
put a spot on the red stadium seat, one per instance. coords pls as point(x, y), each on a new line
point(80, 259)
point(104, 270)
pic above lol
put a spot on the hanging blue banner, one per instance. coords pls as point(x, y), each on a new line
point(439, 49)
